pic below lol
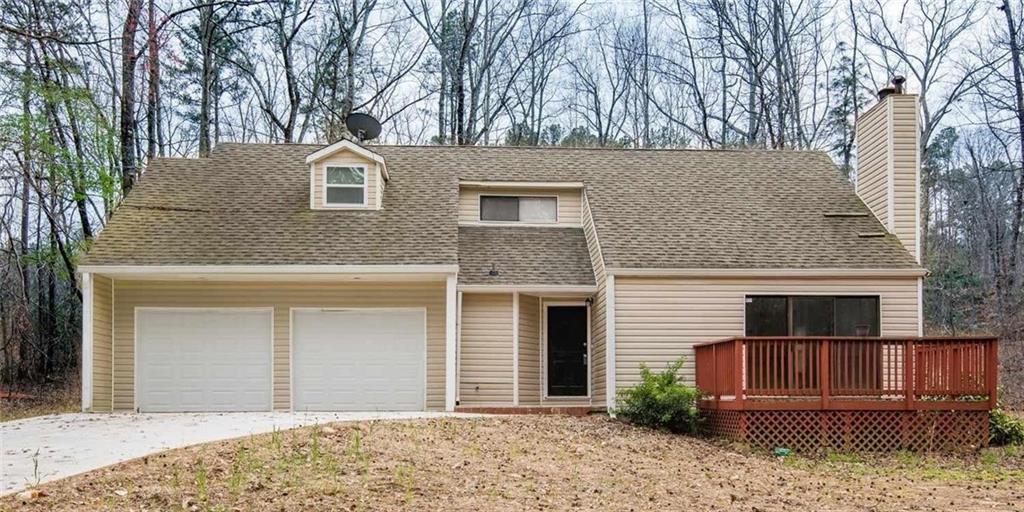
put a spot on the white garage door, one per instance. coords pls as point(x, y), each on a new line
point(358, 360)
point(203, 360)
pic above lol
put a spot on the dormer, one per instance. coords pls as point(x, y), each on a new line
point(346, 176)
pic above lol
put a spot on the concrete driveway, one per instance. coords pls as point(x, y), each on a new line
point(45, 448)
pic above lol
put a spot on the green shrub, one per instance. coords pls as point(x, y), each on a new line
point(660, 401)
point(1004, 429)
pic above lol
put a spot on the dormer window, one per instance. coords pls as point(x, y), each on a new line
point(538, 209)
point(345, 186)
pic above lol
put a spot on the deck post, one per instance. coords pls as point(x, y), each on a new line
point(908, 374)
point(824, 375)
point(992, 373)
point(738, 371)
point(714, 374)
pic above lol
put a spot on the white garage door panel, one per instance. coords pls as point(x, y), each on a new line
point(203, 360)
point(358, 360)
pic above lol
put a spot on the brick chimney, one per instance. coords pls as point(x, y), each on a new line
point(888, 163)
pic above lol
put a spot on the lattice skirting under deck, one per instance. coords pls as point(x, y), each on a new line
point(853, 431)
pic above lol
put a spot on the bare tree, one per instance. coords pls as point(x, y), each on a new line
point(600, 85)
point(274, 75)
point(478, 61)
point(924, 42)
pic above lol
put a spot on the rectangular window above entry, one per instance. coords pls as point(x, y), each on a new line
point(536, 209)
point(345, 186)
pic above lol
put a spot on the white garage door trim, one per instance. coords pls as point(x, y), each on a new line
point(291, 344)
point(135, 342)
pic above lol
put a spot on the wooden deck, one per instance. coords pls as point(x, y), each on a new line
point(773, 388)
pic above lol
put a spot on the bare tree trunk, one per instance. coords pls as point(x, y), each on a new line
point(153, 85)
point(780, 84)
point(469, 25)
point(206, 27)
point(725, 84)
point(128, 60)
point(442, 99)
point(1018, 215)
point(78, 176)
point(646, 79)
point(26, 185)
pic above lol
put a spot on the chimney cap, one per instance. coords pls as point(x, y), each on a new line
point(895, 87)
point(897, 82)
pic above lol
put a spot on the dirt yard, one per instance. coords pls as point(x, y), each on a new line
point(526, 463)
point(52, 399)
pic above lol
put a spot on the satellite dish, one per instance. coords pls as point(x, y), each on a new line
point(363, 126)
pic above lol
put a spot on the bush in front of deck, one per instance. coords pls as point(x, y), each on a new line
point(660, 401)
point(1004, 429)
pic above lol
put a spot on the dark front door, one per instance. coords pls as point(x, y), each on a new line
point(567, 351)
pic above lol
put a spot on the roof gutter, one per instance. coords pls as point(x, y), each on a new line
point(768, 272)
point(268, 269)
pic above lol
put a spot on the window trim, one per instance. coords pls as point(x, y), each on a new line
point(789, 307)
point(365, 186)
point(480, 209)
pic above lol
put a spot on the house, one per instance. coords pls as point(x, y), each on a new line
point(374, 277)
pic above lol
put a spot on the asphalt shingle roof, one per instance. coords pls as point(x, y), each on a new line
point(249, 204)
point(524, 256)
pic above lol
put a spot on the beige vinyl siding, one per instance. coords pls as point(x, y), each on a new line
point(888, 172)
point(374, 183)
point(905, 169)
point(569, 201)
point(598, 359)
point(873, 160)
point(660, 319)
point(529, 350)
point(102, 342)
point(282, 297)
point(485, 366)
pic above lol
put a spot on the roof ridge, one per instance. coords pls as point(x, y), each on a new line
point(589, 148)
point(490, 147)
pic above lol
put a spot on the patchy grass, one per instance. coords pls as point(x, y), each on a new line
point(991, 465)
point(517, 463)
point(52, 399)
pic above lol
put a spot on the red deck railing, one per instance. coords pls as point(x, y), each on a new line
point(837, 373)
